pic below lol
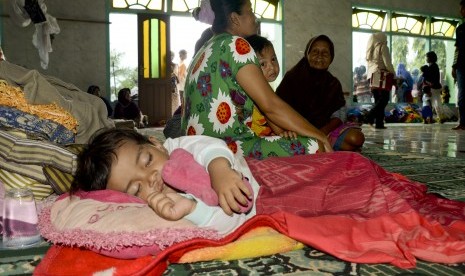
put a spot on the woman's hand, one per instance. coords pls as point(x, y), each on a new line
point(288, 134)
point(228, 185)
point(170, 206)
point(325, 146)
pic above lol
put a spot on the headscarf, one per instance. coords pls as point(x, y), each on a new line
point(405, 75)
point(315, 94)
point(374, 43)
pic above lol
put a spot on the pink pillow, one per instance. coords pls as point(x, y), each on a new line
point(185, 174)
point(114, 224)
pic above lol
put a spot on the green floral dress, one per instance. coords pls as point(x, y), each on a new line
point(216, 105)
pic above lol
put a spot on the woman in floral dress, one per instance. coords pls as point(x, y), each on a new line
point(224, 82)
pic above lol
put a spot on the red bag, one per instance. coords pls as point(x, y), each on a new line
point(382, 80)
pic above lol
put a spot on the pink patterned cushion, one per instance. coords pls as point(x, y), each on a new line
point(113, 224)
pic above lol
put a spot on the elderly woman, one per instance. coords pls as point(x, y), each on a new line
point(225, 81)
point(317, 95)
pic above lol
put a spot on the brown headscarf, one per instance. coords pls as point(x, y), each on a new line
point(315, 94)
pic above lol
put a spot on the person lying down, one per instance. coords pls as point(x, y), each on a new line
point(208, 185)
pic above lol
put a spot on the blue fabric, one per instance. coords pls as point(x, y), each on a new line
point(33, 125)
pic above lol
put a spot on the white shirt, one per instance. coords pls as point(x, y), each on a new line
point(205, 149)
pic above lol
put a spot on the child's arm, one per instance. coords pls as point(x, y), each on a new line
point(218, 159)
point(171, 205)
point(228, 185)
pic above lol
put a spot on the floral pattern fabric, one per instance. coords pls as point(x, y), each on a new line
point(217, 106)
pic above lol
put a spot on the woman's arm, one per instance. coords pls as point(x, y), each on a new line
point(274, 108)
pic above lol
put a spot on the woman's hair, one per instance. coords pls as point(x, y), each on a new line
point(222, 10)
point(206, 35)
point(259, 43)
point(432, 57)
point(122, 95)
point(92, 89)
point(95, 161)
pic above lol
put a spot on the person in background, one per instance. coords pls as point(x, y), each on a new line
point(415, 91)
point(225, 82)
point(126, 109)
point(425, 88)
point(95, 90)
point(378, 58)
point(433, 79)
point(317, 95)
point(182, 71)
point(407, 85)
point(361, 85)
point(175, 97)
point(458, 68)
point(445, 94)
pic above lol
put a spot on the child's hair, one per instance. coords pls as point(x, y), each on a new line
point(92, 89)
point(97, 157)
point(259, 43)
point(424, 68)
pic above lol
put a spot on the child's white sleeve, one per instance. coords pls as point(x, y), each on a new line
point(214, 217)
point(203, 148)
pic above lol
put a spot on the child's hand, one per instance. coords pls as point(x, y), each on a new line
point(228, 185)
point(170, 206)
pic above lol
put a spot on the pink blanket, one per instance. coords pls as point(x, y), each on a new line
point(346, 205)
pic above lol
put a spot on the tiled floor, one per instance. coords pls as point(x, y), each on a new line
point(434, 139)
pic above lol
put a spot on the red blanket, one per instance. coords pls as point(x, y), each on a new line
point(341, 203)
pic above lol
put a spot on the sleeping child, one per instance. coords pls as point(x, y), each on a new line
point(127, 161)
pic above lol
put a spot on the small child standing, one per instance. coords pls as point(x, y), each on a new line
point(426, 110)
point(425, 90)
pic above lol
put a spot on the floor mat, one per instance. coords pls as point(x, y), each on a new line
point(442, 175)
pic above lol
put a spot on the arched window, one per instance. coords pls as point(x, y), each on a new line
point(443, 27)
point(264, 9)
point(405, 23)
point(368, 19)
point(410, 37)
point(157, 5)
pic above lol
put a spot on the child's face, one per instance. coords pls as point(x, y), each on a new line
point(269, 63)
point(137, 169)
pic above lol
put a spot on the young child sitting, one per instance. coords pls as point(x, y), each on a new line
point(127, 161)
point(270, 67)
